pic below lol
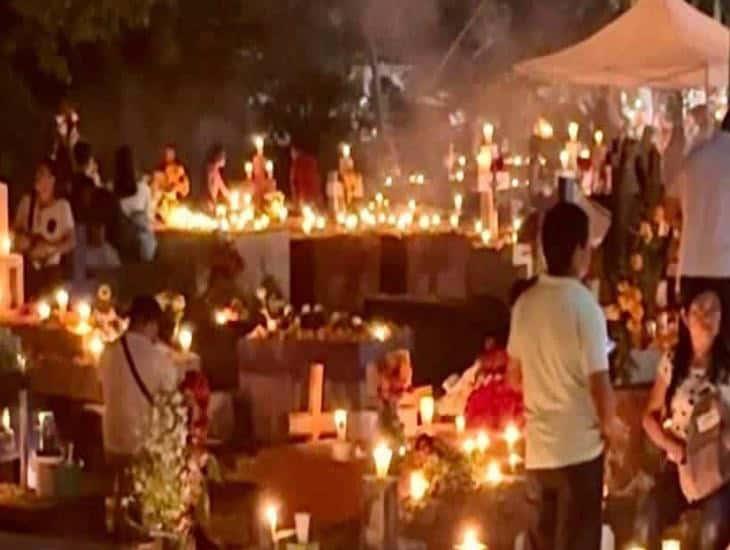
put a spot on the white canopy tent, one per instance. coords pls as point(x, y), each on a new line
point(659, 43)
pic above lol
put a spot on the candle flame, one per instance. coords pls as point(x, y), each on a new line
point(382, 455)
point(418, 485)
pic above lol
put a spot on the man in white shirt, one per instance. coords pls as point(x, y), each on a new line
point(701, 190)
point(558, 354)
point(130, 378)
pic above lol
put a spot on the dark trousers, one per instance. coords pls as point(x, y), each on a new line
point(665, 505)
point(691, 287)
point(565, 507)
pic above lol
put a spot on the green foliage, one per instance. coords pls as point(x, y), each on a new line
point(50, 29)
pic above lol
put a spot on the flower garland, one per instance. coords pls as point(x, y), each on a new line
point(162, 487)
point(171, 471)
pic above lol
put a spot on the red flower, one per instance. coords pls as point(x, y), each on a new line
point(494, 405)
point(196, 389)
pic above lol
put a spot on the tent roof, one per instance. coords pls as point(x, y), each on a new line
point(659, 43)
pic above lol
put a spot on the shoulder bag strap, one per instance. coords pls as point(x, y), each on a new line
point(135, 372)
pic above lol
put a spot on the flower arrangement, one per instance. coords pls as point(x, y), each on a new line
point(446, 470)
point(394, 382)
point(171, 471)
point(395, 376)
point(494, 403)
point(162, 487)
point(634, 311)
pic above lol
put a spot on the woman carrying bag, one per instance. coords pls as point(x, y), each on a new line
point(687, 418)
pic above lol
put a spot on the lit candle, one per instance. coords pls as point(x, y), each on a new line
point(7, 244)
point(459, 176)
point(220, 316)
point(424, 222)
point(458, 202)
point(671, 545)
point(573, 129)
point(494, 475)
point(418, 486)
point(389, 181)
point(258, 142)
point(62, 299)
point(270, 169)
point(411, 204)
point(6, 420)
point(43, 310)
point(185, 338)
point(454, 220)
point(511, 435)
point(83, 309)
point(380, 332)
point(235, 200)
point(469, 446)
point(598, 137)
point(543, 129)
point(427, 408)
point(95, 345)
point(341, 424)
point(382, 455)
point(271, 514)
point(435, 220)
point(486, 236)
point(248, 167)
point(488, 131)
point(470, 541)
point(564, 159)
point(346, 150)
point(460, 423)
point(484, 159)
point(482, 441)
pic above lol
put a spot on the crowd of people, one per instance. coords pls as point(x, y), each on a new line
point(558, 349)
point(73, 219)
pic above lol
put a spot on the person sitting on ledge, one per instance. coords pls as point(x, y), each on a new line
point(44, 232)
point(700, 364)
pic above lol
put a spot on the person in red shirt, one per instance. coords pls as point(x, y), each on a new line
point(305, 181)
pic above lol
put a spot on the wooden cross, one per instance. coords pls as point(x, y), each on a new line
point(313, 422)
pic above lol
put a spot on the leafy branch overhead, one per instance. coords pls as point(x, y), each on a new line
point(49, 29)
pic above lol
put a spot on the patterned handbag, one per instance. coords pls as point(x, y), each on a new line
point(707, 465)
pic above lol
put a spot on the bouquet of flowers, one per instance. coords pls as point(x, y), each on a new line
point(493, 403)
point(394, 382)
point(162, 488)
point(447, 470)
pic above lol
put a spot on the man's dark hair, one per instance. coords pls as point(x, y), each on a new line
point(564, 229)
point(82, 153)
point(144, 310)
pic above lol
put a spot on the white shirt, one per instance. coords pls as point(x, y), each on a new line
point(141, 201)
point(51, 222)
point(703, 188)
point(126, 408)
point(686, 395)
point(559, 336)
